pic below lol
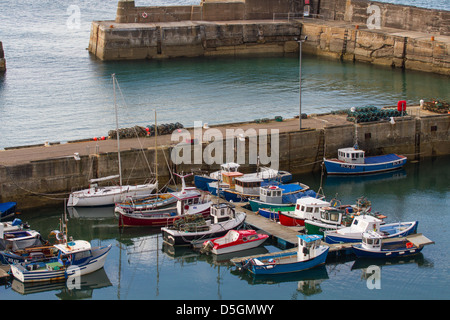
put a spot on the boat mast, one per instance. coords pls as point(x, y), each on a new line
point(156, 149)
point(117, 129)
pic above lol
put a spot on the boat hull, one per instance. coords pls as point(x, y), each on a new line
point(256, 205)
point(317, 227)
point(290, 220)
point(391, 230)
point(153, 220)
point(239, 247)
point(179, 238)
point(109, 195)
point(201, 182)
point(42, 274)
point(7, 210)
point(372, 165)
point(281, 268)
point(382, 254)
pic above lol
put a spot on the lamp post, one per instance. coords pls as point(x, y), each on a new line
point(300, 78)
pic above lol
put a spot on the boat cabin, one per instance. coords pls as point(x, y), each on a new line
point(351, 155)
point(371, 241)
point(73, 252)
point(330, 215)
point(365, 223)
point(271, 194)
point(308, 246)
point(222, 212)
point(248, 185)
point(309, 208)
point(229, 178)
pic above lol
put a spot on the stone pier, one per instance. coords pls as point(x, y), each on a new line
point(384, 34)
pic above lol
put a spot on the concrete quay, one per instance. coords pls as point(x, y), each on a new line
point(40, 176)
point(359, 30)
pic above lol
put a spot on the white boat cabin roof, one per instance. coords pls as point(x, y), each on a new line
point(310, 201)
point(186, 193)
point(73, 246)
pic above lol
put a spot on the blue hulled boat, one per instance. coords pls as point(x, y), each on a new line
point(310, 253)
point(367, 223)
point(374, 246)
point(353, 161)
point(7, 209)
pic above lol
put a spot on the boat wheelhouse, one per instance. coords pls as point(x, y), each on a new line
point(189, 228)
point(310, 253)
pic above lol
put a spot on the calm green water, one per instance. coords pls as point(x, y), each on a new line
point(140, 267)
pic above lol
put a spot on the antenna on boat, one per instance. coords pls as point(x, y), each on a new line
point(183, 183)
point(117, 128)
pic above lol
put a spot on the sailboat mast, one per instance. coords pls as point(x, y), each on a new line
point(117, 129)
point(156, 148)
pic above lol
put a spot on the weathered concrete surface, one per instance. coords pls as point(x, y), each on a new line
point(112, 41)
point(391, 47)
point(45, 175)
point(360, 30)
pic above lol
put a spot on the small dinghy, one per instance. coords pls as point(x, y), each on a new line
point(233, 241)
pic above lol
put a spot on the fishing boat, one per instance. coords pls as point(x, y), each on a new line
point(224, 217)
point(339, 216)
point(364, 223)
point(305, 208)
point(233, 241)
point(309, 253)
point(374, 246)
point(18, 238)
point(74, 258)
point(282, 195)
point(97, 195)
point(7, 209)
point(201, 181)
point(242, 189)
point(189, 201)
point(353, 161)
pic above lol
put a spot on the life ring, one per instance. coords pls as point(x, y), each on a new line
point(272, 187)
point(409, 245)
point(144, 15)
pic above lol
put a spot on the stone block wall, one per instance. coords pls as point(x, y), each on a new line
point(391, 15)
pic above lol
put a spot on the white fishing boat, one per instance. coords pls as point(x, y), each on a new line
point(74, 258)
point(224, 217)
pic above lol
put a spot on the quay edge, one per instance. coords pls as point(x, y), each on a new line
point(403, 36)
point(42, 176)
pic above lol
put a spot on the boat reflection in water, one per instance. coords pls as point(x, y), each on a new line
point(68, 291)
point(308, 281)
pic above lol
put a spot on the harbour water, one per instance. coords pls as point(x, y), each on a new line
point(54, 90)
point(139, 266)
